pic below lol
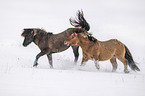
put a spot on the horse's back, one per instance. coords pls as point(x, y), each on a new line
point(111, 43)
point(110, 48)
point(56, 42)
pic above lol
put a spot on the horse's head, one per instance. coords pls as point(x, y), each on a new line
point(73, 39)
point(28, 34)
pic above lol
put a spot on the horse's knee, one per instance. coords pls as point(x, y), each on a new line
point(76, 52)
point(76, 55)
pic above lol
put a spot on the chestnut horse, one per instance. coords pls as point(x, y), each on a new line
point(102, 50)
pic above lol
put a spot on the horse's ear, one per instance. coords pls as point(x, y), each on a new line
point(75, 34)
point(84, 35)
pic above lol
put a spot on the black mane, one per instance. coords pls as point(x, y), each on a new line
point(38, 30)
point(91, 38)
point(42, 31)
point(80, 21)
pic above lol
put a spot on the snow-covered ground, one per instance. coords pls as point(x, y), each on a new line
point(120, 19)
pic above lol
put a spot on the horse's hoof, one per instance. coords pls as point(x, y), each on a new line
point(126, 71)
point(114, 70)
point(82, 65)
point(51, 67)
point(97, 67)
point(75, 62)
point(35, 65)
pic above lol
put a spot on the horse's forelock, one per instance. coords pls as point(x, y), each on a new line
point(35, 31)
point(89, 36)
point(79, 30)
point(83, 35)
point(26, 32)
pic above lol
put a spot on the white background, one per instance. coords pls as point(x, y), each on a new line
point(120, 19)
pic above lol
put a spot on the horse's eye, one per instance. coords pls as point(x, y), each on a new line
point(72, 37)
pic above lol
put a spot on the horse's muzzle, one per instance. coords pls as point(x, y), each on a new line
point(65, 43)
point(24, 45)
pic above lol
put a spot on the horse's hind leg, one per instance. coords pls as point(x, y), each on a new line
point(76, 52)
point(50, 60)
point(97, 64)
point(114, 63)
point(125, 62)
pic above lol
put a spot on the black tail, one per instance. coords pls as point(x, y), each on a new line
point(131, 62)
point(80, 21)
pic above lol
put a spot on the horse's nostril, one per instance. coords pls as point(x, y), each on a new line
point(65, 43)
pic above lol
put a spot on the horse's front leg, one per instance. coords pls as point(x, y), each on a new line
point(97, 64)
point(37, 57)
point(50, 60)
point(84, 60)
point(76, 52)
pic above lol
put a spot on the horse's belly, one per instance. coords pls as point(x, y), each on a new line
point(106, 55)
point(59, 49)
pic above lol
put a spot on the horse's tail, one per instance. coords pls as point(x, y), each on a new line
point(131, 62)
point(80, 21)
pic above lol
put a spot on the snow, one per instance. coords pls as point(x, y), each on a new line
point(121, 19)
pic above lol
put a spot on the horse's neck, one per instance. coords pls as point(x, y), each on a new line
point(39, 38)
point(83, 42)
point(86, 44)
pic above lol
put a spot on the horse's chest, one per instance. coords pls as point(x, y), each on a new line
point(92, 52)
point(89, 54)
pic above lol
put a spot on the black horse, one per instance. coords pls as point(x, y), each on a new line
point(49, 43)
point(52, 43)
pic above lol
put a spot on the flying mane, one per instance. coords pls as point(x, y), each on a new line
point(80, 21)
point(91, 38)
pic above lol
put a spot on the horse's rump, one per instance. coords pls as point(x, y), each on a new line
point(111, 48)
